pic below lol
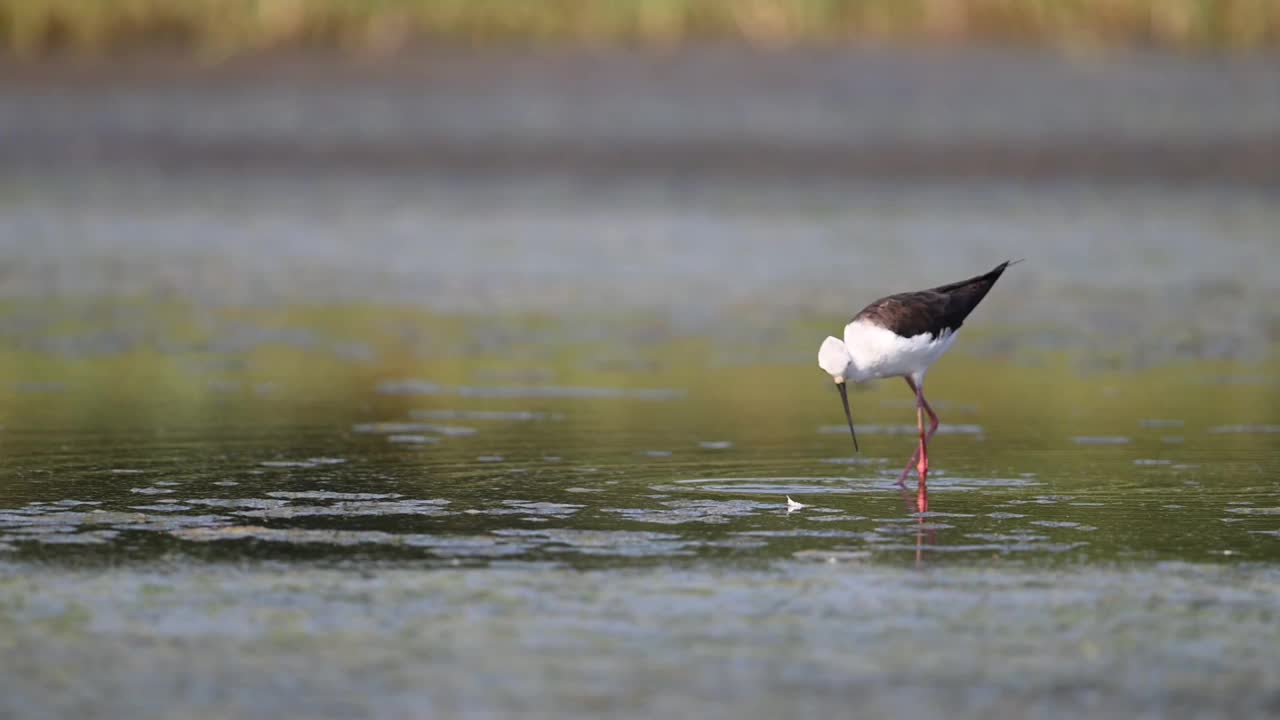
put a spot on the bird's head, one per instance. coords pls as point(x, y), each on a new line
point(834, 357)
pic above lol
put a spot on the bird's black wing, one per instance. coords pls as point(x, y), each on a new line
point(912, 313)
point(931, 311)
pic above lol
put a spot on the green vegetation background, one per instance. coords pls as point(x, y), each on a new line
point(34, 28)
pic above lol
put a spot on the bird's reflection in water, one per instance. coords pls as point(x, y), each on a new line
point(918, 505)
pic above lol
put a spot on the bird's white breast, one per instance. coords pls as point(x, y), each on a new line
point(879, 353)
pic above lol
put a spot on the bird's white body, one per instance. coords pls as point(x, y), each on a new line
point(869, 352)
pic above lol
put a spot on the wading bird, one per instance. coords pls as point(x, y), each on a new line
point(901, 336)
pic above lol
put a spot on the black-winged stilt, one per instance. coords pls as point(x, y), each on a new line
point(902, 335)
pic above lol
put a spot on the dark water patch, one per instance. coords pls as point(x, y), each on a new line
point(623, 543)
point(243, 503)
point(1023, 537)
point(1236, 379)
point(313, 462)
point(560, 391)
point(1244, 429)
point(494, 415)
point(832, 556)
point(944, 482)
point(874, 429)
point(679, 512)
point(413, 387)
point(527, 509)
point(452, 547)
point(14, 519)
point(550, 509)
point(854, 461)
point(938, 405)
point(408, 428)
point(408, 387)
point(283, 535)
point(329, 495)
point(351, 509)
point(1039, 500)
point(835, 518)
point(166, 523)
point(906, 529)
point(85, 537)
point(801, 533)
point(470, 547)
point(32, 530)
point(778, 485)
point(411, 439)
point(998, 548)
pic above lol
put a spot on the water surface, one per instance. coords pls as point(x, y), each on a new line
point(408, 442)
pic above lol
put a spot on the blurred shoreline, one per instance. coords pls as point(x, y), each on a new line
point(706, 110)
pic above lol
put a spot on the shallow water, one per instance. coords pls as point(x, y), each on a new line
point(282, 452)
point(413, 444)
point(279, 530)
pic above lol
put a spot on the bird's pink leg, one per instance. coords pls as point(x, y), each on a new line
point(933, 428)
point(922, 492)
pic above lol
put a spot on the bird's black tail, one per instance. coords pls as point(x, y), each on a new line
point(986, 280)
point(964, 296)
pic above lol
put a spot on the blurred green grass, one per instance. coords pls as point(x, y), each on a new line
point(34, 28)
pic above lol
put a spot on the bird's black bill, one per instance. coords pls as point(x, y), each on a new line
point(844, 400)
